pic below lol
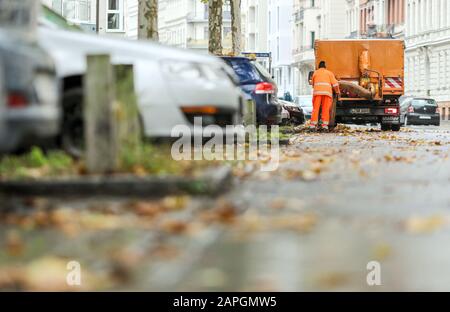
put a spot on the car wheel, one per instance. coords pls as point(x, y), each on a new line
point(395, 128)
point(72, 136)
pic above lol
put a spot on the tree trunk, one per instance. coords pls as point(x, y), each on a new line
point(236, 32)
point(215, 26)
point(148, 19)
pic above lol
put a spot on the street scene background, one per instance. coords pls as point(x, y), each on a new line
point(92, 199)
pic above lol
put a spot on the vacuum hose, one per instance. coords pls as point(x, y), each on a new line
point(354, 88)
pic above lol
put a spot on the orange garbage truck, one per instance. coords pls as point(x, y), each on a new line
point(371, 78)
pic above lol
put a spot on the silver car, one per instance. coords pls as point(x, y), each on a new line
point(173, 85)
point(31, 113)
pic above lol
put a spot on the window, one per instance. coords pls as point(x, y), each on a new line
point(114, 14)
point(313, 39)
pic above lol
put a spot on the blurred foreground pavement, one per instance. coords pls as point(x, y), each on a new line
point(337, 202)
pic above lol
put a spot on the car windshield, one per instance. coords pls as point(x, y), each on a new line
point(305, 102)
point(423, 102)
point(246, 71)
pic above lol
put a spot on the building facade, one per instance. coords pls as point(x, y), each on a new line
point(118, 18)
point(314, 19)
point(427, 61)
point(381, 18)
point(352, 25)
point(280, 34)
point(79, 12)
point(184, 24)
point(254, 18)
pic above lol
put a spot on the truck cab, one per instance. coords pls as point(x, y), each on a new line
point(371, 78)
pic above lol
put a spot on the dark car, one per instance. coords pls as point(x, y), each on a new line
point(259, 86)
point(419, 111)
point(296, 114)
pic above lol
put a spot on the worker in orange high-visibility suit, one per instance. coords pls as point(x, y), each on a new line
point(323, 82)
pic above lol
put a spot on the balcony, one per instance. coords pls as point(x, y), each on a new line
point(304, 54)
point(203, 43)
point(197, 43)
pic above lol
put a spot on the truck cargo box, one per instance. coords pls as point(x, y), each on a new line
point(371, 79)
point(386, 59)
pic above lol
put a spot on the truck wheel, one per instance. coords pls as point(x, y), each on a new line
point(395, 128)
point(385, 127)
point(72, 136)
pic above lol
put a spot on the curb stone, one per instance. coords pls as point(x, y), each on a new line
point(211, 183)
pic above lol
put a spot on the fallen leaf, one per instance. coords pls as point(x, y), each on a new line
point(382, 251)
point(14, 243)
point(421, 225)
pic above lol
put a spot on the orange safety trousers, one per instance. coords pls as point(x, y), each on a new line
point(324, 102)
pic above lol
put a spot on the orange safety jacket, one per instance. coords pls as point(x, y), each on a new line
point(323, 82)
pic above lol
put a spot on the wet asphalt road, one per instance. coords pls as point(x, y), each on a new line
point(337, 202)
point(374, 196)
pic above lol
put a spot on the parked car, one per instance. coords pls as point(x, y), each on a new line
point(296, 115)
point(173, 85)
point(31, 114)
point(259, 86)
point(419, 111)
point(285, 117)
point(305, 102)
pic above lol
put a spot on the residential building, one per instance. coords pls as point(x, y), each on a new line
point(381, 18)
point(352, 17)
point(314, 19)
point(279, 23)
point(427, 60)
point(184, 24)
point(78, 12)
point(254, 25)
